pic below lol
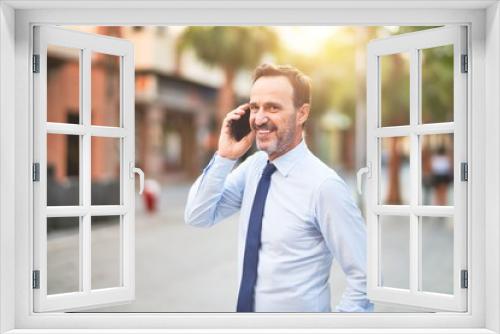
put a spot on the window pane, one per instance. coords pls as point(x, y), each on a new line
point(106, 252)
point(437, 254)
point(106, 171)
point(437, 169)
point(105, 89)
point(63, 252)
point(63, 84)
point(63, 169)
point(394, 171)
point(437, 84)
point(395, 89)
point(394, 251)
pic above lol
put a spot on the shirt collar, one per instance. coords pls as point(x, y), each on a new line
point(285, 162)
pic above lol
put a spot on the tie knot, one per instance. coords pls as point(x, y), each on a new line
point(269, 170)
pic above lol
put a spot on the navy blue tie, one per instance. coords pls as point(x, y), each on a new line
point(252, 245)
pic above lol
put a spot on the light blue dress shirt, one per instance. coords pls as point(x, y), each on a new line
point(310, 218)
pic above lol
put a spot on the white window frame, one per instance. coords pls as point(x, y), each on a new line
point(85, 43)
point(411, 44)
point(16, 18)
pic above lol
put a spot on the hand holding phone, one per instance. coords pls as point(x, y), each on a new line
point(236, 136)
point(241, 127)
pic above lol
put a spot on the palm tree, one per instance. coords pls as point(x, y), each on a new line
point(231, 49)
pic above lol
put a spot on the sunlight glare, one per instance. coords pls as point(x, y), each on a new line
point(306, 40)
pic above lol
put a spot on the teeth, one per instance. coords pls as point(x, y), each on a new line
point(264, 131)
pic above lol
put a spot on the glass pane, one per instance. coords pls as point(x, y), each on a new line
point(63, 84)
point(63, 169)
point(437, 254)
point(394, 171)
point(63, 253)
point(395, 89)
point(437, 84)
point(395, 251)
point(437, 169)
point(106, 252)
point(105, 89)
point(106, 171)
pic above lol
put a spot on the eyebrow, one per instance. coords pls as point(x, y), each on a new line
point(266, 104)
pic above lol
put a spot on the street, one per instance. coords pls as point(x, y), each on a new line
point(181, 268)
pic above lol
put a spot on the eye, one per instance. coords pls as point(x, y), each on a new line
point(254, 109)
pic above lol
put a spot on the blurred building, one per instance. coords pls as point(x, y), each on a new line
point(174, 112)
point(175, 103)
point(174, 118)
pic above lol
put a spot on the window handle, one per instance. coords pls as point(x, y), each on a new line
point(359, 176)
point(134, 170)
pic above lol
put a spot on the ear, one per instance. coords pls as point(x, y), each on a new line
point(303, 113)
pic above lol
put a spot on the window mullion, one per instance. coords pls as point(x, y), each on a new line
point(86, 172)
point(65, 129)
point(435, 128)
point(421, 126)
point(105, 131)
point(414, 170)
point(65, 211)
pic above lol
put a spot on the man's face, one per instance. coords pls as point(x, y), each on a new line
point(273, 115)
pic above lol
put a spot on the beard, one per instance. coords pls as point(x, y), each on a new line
point(279, 139)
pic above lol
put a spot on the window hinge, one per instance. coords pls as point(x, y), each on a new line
point(464, 279)
point(36, 63)
point(36, 279)
point(36, 171)
point(465, 65)
point(464, 168)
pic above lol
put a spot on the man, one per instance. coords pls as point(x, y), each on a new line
point(297, 214)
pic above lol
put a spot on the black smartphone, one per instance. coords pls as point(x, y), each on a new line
point(241, 127)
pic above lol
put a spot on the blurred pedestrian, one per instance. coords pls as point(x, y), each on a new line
point(442, 175)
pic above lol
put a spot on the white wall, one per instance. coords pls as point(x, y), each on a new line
point(6, 167)
point(492, 149)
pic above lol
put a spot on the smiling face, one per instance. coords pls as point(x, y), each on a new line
point(273, 116)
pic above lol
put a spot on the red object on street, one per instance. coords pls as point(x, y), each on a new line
point(150, 200)
point(151, 195)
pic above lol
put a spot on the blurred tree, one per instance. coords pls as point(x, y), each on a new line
point(395, 111)
point(231, 49)
point(338, 76)
point(338, 83)
point(331, 72)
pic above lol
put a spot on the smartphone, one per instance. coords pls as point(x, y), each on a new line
point(241, 127)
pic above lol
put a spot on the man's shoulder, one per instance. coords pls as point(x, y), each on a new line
point(317, 169)
point(328, 184)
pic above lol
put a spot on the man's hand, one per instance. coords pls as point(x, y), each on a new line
point(228, 146)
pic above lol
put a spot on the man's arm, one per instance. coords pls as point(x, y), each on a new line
point(217, 193)
point(343, 228)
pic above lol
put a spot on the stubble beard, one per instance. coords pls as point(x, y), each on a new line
point(281, 143)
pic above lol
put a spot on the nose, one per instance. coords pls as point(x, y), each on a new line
point(260, 118)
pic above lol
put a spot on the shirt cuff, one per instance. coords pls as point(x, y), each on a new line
point(220, 165)
point(349, 306)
